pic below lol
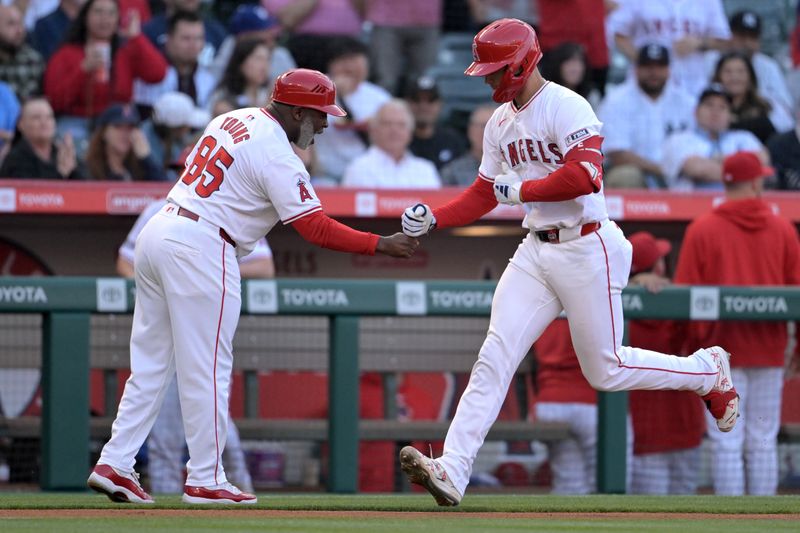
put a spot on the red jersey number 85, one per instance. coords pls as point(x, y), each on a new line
point(204, 162)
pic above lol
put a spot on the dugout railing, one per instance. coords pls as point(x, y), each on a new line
point(67, 304)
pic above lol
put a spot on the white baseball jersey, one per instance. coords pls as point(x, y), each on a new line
point(533, 141)
point(653, 21)
point(680, 146)
point(635, 122)
point(243, 176)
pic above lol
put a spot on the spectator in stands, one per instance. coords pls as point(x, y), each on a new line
point(254, 22)
point(461, 171)
point(246, 79)
point(314, 27)
point(687, 29)
point(692, 159)
point(214, 32)
point(118, 150)
point(637, 116)
point(35, 152)
point(742, 242)
point(388, 164)
point(97, 65)
point(581, 22)
point(668, 426)
point(50, 30)
point(404, 40)
point(347, 137)
point(770, 80)
point(165, 446)
point(185, 73)
point(564, 395)
point(9, 113)
point(21, 66)
point(750, 110)
point(432, 140)
point(566, 65)
point(171, 128)
point(784, 151)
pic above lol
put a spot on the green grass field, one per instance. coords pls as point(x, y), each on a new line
point(69, 512)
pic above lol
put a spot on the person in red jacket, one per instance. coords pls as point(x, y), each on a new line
point(564, 395)
point(97, 64)
point(668, 426)
point(742, 242)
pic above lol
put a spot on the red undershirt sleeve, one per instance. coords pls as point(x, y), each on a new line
point(474, 202)
point(320, 229)
point(581, 174)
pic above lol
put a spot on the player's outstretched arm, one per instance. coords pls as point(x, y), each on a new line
point(318, 228)
point(474, 202)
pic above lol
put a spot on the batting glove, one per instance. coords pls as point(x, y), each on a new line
point(507, 186)
point(418, 220)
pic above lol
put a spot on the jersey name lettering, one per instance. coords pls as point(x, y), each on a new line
point(530, 151)
point(236, 128)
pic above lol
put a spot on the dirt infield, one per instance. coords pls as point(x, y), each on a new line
point(266, 513)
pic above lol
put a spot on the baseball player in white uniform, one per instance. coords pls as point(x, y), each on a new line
point(542, 149)
point(165, 446)
point(241, 178)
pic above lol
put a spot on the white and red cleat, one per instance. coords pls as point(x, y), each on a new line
point(430, 474)
point(723, 400)
point(224, 493)
point(121, 487)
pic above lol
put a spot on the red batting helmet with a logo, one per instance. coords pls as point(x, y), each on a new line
point(303, 87)
point(505, 43)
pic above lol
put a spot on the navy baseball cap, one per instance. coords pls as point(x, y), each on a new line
point(423, 85)
point(119, 115)
point(653, 54)
point(715, 89)
point(747, 22)
point(249, 17)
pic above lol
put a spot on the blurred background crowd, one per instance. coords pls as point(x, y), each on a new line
point(117, 89)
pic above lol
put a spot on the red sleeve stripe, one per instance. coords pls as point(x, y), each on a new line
point(304, 213)
point(484, 177)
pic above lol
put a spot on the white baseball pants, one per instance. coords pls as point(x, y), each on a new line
point(187, 308)
point(660, 474)
point(585, 278)
point(165, 450)
point(747, 457)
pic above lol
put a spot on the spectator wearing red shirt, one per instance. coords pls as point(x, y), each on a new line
point(742, 242)
point(578, 21)
point(97, 64)
point(668, 426)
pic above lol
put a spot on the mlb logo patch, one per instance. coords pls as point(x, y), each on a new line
point(577, 136)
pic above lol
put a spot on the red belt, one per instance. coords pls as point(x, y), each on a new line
point(552, 235)
point(222, 233)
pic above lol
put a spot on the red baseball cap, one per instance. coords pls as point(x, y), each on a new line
point(744, 166)
point(647, 250)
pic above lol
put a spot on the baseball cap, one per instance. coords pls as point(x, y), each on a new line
point(249, 17)
point(119, 115)
point(175, 109)
point(744, 166)
point(423, 85)
point(647, 250)
point(715, 89)
point(653, 54)
point(746, 22)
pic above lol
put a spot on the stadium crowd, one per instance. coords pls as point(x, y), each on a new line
point(677, 87)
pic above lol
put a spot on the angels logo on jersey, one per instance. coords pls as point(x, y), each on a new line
point(525, 150)
point(304, 194)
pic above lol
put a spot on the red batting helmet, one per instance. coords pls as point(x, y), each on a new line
point(505, 42)
point(303, 87)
